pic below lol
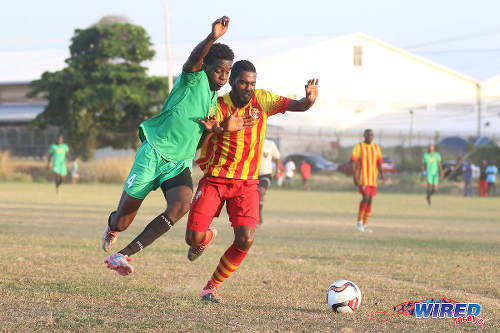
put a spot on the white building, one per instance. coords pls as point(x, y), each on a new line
point(365, 82)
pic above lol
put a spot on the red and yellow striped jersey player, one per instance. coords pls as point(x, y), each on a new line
point(230, 162)
point(366, 161)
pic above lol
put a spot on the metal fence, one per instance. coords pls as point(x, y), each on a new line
point(24, 142)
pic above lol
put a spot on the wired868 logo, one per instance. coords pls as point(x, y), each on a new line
point(436, 308)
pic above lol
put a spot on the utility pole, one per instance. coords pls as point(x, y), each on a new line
point(478, 106)
point(411, 127)
point(169, 50)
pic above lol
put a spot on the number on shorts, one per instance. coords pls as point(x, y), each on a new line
point(131, 179)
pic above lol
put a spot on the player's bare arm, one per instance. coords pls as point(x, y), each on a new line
point(441, 172)
point(381, 172)
point(305, 103)
point(195, 60)
point(48, 161)
point(354, 178)
point(231, 124)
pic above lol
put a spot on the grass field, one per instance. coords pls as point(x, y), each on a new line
point(52, 275)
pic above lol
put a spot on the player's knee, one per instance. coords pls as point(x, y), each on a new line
point(244, 240)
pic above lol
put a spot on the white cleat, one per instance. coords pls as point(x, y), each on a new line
point(360, 226)
point(368, 229)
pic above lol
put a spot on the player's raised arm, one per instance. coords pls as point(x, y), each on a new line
point(195, 60)
point(308, 101)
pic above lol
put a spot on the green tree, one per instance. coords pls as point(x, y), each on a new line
point(103, 93)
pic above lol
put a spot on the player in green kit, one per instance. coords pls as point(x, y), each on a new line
point(431, 164)
point(58, 153)
point(169, 142)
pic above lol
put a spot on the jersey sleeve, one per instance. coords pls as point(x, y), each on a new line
point(191, 79)
point(356, 153)
point(380, 159)
point(271, 104)
point(438, 159)
point(423, 159)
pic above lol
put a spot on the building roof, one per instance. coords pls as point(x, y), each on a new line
point(20, 112)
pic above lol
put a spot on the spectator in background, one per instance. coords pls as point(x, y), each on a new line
point(482, 183)
point(491, 177)
point(467, 171)
point(289, 170)
point(280, 175)
point(269, 153)
point(74, 171)
point(305, 170)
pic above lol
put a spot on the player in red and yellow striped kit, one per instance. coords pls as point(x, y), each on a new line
point(366, 160)
point(230, 162)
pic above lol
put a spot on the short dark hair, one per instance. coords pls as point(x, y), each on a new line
point(241, 66)
point(218, 51)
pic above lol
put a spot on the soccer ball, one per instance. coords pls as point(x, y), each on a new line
point(343, 296)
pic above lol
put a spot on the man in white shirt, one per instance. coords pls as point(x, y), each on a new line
point(269, 153)
point(289, 170)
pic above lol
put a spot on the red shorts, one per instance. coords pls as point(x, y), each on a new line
point(369, 190)
point(241, 197)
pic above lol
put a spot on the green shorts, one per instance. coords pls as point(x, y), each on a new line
point(433, 178)
point(150, 170)
point(60, 168)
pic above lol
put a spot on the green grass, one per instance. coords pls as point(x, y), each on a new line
point(52, 275)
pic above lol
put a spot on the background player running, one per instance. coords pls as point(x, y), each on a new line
point(366, 161)
point(169, 142)
point(58, 153)
point(431, 165)
point(230, 162)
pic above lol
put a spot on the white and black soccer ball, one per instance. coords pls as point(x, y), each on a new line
point(343, 296)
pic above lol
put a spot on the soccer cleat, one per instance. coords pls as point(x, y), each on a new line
point(108, 239)
point(366, 229)
point(196, 251)
point(360, 226)
point(210, 294)
point(120, 263)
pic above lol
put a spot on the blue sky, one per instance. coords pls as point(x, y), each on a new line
point(462, 35)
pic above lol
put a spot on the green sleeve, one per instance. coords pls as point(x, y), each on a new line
point(191, 79)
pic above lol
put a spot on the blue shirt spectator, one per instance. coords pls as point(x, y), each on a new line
point(491, 172)
point(467, 169)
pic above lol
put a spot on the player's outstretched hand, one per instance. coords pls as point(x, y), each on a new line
point(220, 26)
point(211, 123)
point(236, 123)
point(312, 90)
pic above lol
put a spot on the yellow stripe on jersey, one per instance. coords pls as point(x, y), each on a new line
point(239, 149)
point(246, 165)
point(223, 155)
point(367, 158)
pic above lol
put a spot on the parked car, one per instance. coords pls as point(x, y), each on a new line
point(318, 163)
point(388, 166)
